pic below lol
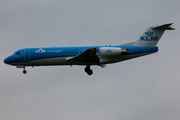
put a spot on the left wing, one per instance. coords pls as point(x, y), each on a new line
point(88, 57)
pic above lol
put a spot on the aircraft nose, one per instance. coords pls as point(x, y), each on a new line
point(7, 60)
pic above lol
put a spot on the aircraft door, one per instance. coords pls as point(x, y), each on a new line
point(26, 55)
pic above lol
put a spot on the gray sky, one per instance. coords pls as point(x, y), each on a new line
point(145, 88)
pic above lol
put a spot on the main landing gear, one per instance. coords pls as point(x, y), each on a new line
point(88, 70)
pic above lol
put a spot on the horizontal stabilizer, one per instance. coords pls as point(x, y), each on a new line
point(164, 27)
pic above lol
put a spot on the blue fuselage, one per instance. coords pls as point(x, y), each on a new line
point(60, 55)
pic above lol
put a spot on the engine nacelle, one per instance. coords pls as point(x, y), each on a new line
point(111, 51)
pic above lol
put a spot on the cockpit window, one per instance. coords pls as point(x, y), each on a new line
point(17, 53)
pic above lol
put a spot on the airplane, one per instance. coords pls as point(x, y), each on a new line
point(89, 55)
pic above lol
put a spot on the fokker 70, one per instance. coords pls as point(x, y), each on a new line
point(89, 55)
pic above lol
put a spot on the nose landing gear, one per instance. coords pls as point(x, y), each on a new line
point(88, 70)
point(24, 71)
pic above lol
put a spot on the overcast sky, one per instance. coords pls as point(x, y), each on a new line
point(145, 88)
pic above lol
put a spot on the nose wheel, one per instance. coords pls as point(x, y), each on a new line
point(88, 70)
point(24, 71)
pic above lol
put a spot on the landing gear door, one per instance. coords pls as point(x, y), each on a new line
point(26, 55)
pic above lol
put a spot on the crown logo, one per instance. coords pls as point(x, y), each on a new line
point(149, 33)
point(40, 50)
point(108, 51)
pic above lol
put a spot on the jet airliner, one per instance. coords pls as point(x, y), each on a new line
point(89, 55)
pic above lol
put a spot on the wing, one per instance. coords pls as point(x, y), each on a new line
point(88, 57)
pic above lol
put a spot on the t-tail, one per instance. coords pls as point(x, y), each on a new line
point(152, 35)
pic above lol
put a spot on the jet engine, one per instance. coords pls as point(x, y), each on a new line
point(111, 51)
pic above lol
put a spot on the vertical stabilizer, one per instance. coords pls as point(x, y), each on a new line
point(152, 35)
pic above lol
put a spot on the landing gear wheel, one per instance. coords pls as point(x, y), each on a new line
point(24, 71)
point(88, 70)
